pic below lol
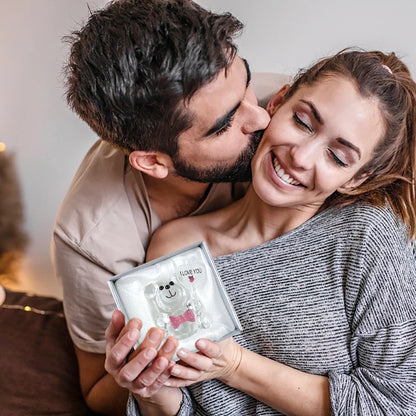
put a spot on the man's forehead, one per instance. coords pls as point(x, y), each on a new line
point(212, 106)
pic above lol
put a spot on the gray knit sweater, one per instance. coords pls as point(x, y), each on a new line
point(336, 297)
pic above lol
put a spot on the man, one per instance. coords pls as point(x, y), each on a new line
point(160, 83)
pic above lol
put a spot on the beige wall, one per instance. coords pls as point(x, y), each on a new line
point(285, 35)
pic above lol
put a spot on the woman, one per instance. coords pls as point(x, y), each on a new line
point(316, 259)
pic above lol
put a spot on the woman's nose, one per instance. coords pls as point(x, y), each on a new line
point(304, 155)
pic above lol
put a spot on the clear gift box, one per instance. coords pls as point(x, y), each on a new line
point(180, 293)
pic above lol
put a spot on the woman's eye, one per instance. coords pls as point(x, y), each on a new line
point(337, 160)
point(299, 121)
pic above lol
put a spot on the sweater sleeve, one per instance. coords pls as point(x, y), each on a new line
point(187, 406)
point(380, 298)
point(384, 381)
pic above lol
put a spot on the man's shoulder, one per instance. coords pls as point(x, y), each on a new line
point(102, 167)
point(96, 193)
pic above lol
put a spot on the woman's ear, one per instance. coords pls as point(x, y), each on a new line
point(353, 183)
point(277, 99)
point(152, 163)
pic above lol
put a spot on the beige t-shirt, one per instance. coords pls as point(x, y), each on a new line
point(102, 229)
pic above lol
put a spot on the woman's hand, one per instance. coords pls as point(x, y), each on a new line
point(213, 361)
point(145, 370)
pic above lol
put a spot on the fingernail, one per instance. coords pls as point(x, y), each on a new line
point(182, 353)
point(150, 353)
point(175, 371)
point(132, 334)
point(154, 336)
point(201, 344)
point(167, 384)
point(161, 363)
point(169, 346)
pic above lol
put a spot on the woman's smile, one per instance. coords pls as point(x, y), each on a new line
point(283, 174)
point(317, 141)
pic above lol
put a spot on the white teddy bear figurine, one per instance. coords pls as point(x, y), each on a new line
point(176, 307)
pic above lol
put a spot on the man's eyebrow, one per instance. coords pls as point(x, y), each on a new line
point(320, 121)
point(248, 71)
point(223, 121)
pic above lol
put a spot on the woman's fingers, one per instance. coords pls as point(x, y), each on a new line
point(195, 360)
point(186, 373)
point(168, 348)
point(209, 348)
point(152, 339)
point(147, 368)
point(119, 342)
point(141, 372)
point(193, 365)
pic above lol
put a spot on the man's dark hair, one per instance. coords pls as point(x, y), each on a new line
point(136, 63)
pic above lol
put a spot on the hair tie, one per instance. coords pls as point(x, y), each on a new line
point(388, 69)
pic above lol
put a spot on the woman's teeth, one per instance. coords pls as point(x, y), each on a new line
point(282, 175)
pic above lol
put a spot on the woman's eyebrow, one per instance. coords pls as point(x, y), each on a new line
point(314, 111)
point(320, 120)
point(350, 145)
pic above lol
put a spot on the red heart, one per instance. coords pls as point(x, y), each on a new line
point(191, 279)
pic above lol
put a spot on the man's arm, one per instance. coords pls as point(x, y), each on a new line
point(105, 395)
point(85, 301)
point(101, 393)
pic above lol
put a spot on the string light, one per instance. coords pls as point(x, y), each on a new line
point(28, 308)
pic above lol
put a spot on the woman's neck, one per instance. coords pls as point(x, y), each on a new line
point(250, 222)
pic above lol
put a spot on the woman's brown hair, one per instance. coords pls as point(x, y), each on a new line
point(391, 172)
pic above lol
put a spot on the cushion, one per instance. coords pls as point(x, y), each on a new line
point(266, 84)
point(39, 371)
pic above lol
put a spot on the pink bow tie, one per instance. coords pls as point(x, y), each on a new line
point(188, 316)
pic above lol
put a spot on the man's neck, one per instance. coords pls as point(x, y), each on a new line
point(174, 197)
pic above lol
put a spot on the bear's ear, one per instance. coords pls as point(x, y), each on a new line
point(150, 290)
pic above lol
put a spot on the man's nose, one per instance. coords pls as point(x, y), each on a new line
point(257, 118)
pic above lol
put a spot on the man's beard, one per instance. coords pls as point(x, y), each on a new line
point(240, 171)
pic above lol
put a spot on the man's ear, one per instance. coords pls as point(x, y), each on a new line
point(152, 163)
point(353, 183)
point(277, 99)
